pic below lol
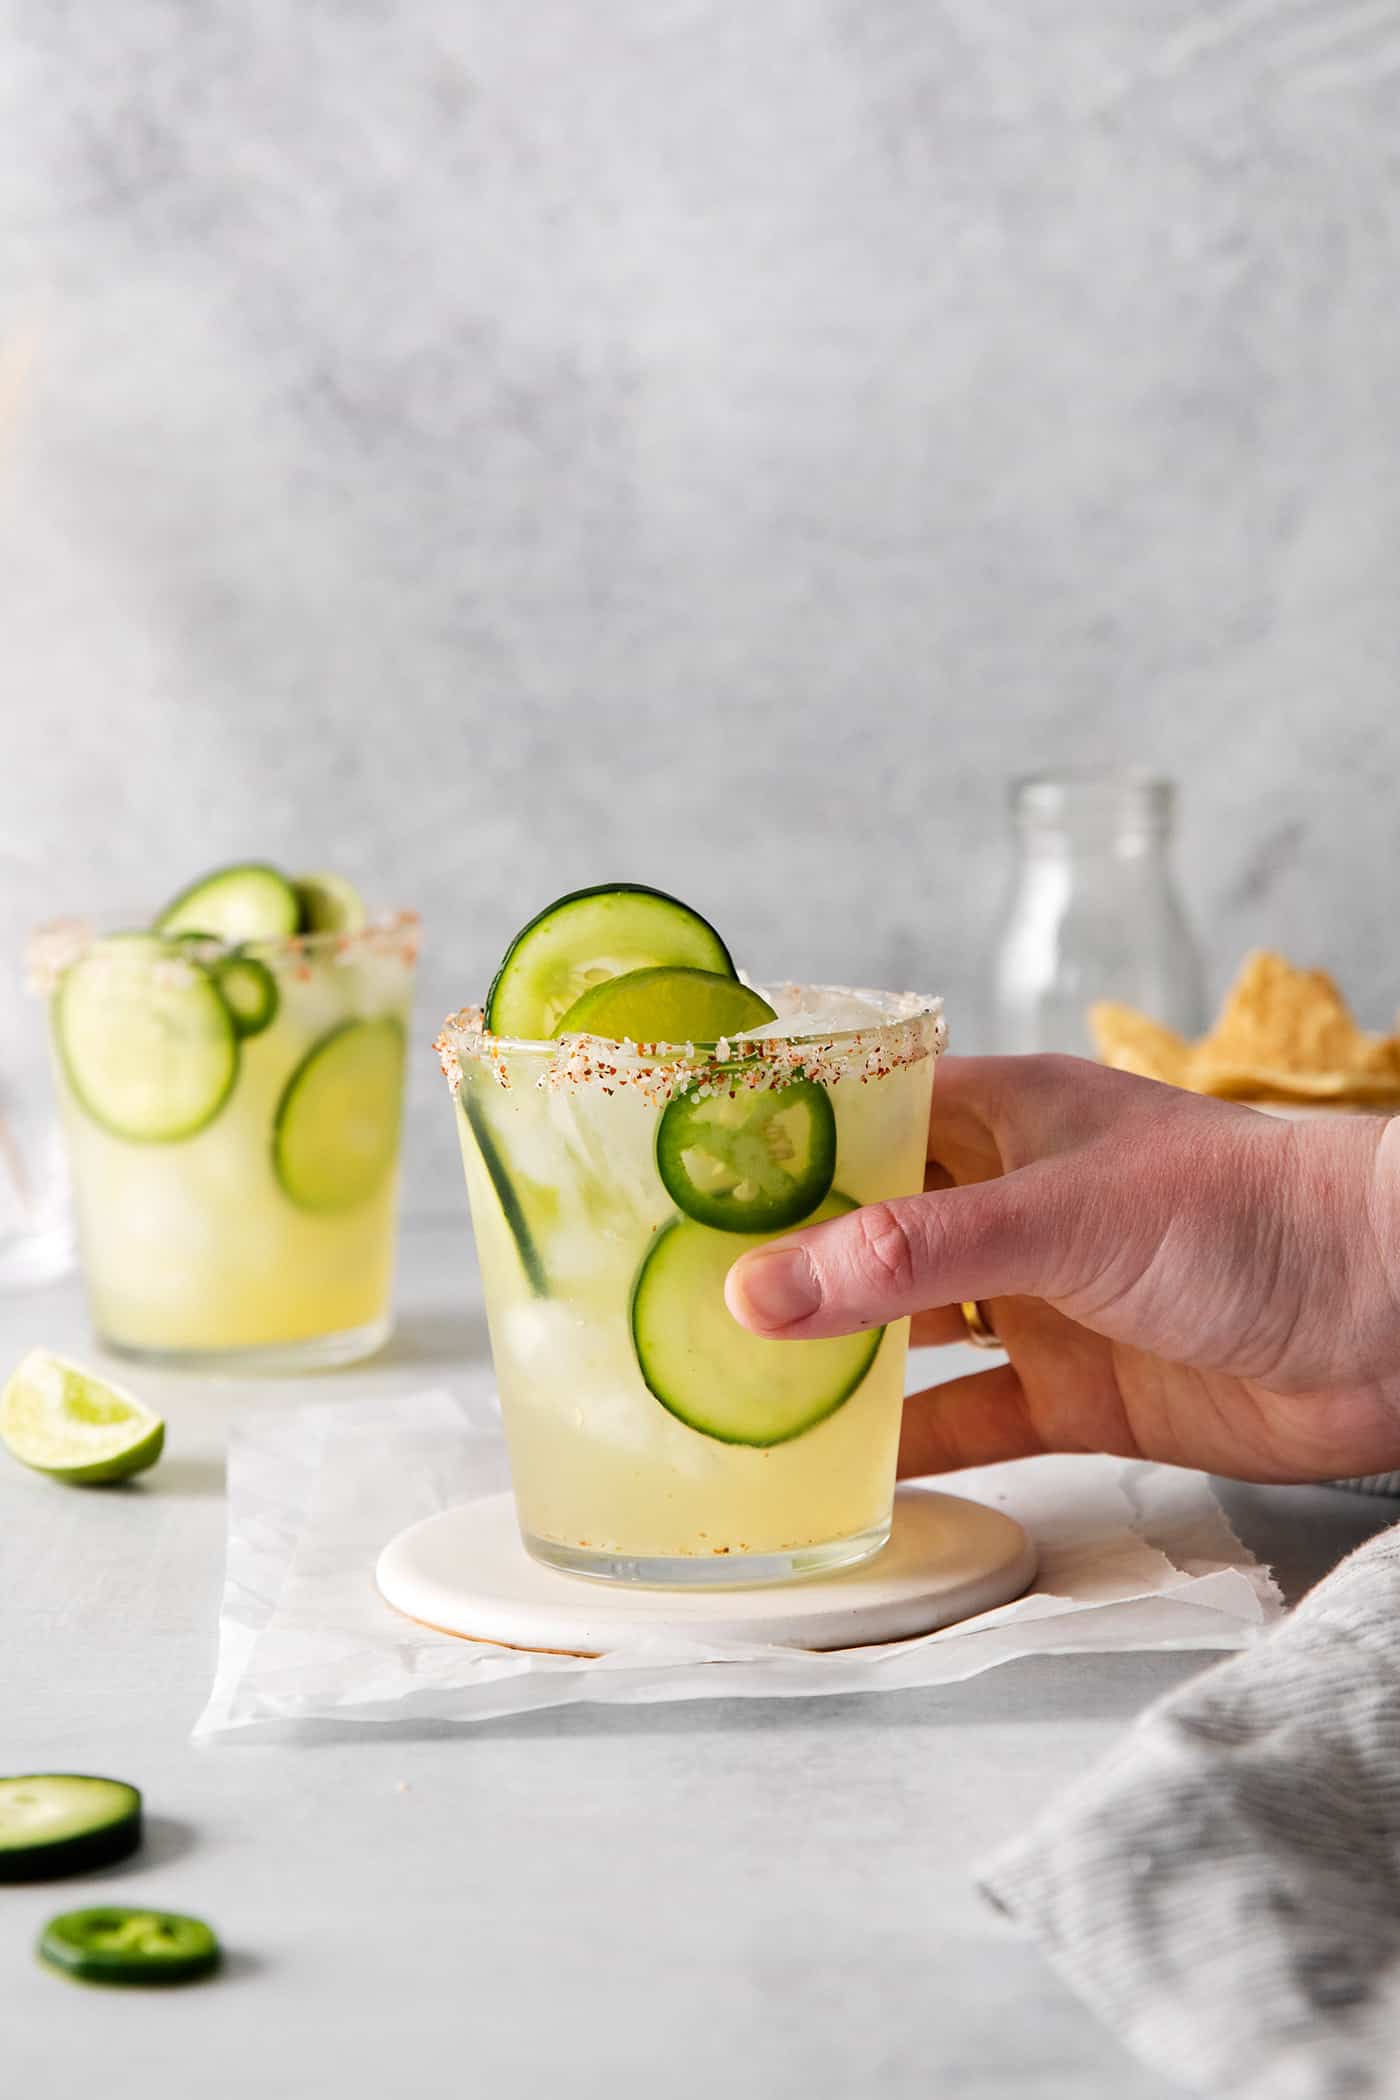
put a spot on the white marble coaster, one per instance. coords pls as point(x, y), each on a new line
point(465, 1572)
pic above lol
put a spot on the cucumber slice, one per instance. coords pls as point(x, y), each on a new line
point(747, 1159)
point(666, 1005)
point(63, 1421)
point(712, 1373)
point(335, 1134)
point(250, 993)
point(54, 1823)
point(506, 1194)
point(328, 904)
point(147, 1043)
point(249, 902)
point(118, 1945)
point(587, 936)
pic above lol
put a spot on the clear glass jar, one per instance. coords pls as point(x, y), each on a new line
point(1093, 913)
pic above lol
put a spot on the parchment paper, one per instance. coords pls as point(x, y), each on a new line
point(1131, 1556)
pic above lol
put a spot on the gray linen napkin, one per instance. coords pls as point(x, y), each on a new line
point(1224, 1890)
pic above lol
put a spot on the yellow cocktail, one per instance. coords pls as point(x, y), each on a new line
point(612, 1185)
point(232, 1114)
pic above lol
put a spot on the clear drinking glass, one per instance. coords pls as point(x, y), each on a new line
point(234, 1158)
point(36, 1220)
point(1093, 913)
point(651, 1438)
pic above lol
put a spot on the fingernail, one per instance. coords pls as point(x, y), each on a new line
point(775, 1287)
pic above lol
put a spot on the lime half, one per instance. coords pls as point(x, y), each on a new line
point(328, 904)
point(65, 1422)
point(666, 1005)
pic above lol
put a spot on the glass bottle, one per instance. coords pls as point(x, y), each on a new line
point(1093, 913)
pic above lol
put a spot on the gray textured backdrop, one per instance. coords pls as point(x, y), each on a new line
point(490, 447)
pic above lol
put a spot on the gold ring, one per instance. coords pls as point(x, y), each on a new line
point(977, 1321)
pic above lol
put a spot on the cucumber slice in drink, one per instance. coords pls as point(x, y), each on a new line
point(63, 1421)
point(506, 1194)
point(147, 1043)
point(118, 1945)
point(250, 993)
point(328, 904)
point(336, 1131)
point(586, 937)
point(712, 1373)
point(747, 1159)
point(54, 1823)
point(250, 902)
point(666, 1005)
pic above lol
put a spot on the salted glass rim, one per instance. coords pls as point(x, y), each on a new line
point(54, 946)
point(911, 1027)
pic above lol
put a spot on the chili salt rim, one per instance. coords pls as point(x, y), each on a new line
point(913, 1029)
point(55, 946)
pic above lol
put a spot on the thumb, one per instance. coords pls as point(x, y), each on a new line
point(995, 1239)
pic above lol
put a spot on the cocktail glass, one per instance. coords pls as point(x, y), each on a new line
point(652, 1440)
point(256, 1232)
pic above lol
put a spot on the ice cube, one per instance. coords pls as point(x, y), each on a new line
point(818, 1012)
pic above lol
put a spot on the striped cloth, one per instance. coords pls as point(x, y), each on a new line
point(1224, 1891)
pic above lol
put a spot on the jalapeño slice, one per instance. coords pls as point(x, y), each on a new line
point(116, 1945)
point(744, 1158)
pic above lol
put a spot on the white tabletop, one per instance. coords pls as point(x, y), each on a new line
point(757, 1899)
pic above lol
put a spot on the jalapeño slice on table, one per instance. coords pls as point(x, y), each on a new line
point(747, 1158)
point(666, 1004)
point(586, 937)
point(116, 1945)
point(145, 1038)
point(712, 1373)
point(250, 902)
point(54, 1823)
point(336, 1131)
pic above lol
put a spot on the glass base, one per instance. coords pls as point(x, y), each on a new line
point(316, 1352)
point(713, 1571)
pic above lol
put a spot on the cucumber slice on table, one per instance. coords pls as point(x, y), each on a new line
point(712, 1373)
point(506, 1194)
point(250, 992)
point(586, 937)
point(747, 1159)
point(328, 904)
point(54, 1823)
point(147, 1043)
point(117, 1945)
point(336, 1131)
point(60, 1420)
point(666, 1005)
point(250, 902)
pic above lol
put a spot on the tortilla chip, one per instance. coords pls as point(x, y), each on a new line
point(1284, 1035)
point(1132, 1042)
point(1277, 1019)
point(1234, 1083)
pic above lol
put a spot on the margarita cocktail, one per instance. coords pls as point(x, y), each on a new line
point(632, 1118)
point(230, 1085)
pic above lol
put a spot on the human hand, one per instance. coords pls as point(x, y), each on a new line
point(1172, 1277)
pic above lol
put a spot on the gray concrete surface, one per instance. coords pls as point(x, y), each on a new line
point(771, 1901)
